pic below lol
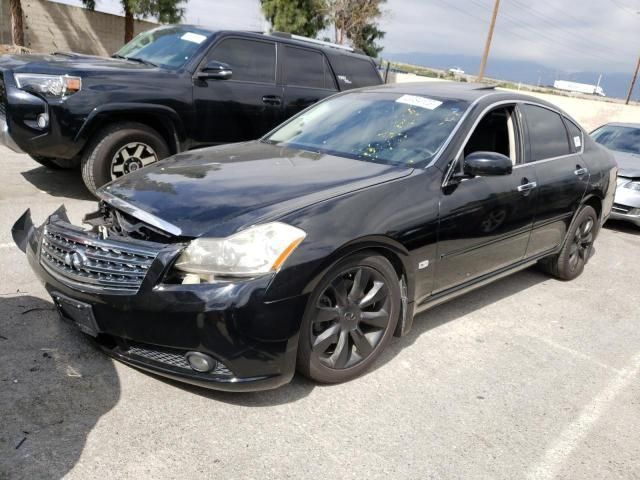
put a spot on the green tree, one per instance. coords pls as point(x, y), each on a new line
point(166, 11)
point(301, 17)
point(365, 39)
point(356, 21)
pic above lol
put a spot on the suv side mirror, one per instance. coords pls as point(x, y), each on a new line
point(215, 70)
point(485, 164)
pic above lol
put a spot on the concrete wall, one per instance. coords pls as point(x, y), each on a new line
point(589, 113)
point(51, 26)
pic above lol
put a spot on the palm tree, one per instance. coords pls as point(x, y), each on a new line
point(17, 28)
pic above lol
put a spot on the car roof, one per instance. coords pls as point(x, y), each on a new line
point(622, 124)
point(444, 89)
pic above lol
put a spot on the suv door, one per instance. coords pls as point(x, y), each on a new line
point(307, 78)
point(247, 105)
point(485, 222)
point(562, 174)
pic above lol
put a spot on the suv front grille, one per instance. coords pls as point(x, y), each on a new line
point(3, 99)
point(81, 258)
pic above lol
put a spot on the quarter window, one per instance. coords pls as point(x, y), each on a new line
point(575, 135)
point(306, 68)
point(251, 61)
point(547, 133)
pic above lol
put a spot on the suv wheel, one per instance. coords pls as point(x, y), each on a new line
point(56, 163)
point(350, 318)
point(118, 150)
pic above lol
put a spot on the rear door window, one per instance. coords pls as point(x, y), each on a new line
point(307, 68)
point(250, 60)
point(354, 72)
point(547, 133)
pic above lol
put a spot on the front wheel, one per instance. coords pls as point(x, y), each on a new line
point(120, 149)
point(350, 318)
point(570, 262)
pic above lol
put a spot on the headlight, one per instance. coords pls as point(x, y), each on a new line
point(635, 185)
point(255, 251)
point(53, 85)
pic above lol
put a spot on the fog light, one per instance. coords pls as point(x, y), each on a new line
point(200, 362)
point(43, 120)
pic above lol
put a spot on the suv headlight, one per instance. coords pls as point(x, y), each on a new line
point(51, 85)
point(634, 185)
point(255, 251)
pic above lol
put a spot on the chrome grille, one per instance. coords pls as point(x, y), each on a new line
point(173, 359)
point(618, 208)
point(3, 98)
point(81, 258)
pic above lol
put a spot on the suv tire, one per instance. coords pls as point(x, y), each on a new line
point(103, 157)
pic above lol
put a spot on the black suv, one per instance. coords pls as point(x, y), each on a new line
point(170, 89)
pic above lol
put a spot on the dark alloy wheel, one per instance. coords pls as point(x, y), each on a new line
point(350, 318)
point(575, 253)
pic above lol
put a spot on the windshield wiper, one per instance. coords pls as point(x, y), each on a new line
point(141, 60)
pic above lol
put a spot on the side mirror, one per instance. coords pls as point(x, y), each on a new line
point(215, 71)
point(484, 164)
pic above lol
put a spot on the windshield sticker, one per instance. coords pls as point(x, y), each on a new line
point(577, 141)
point(421, 102)
point(193, 37)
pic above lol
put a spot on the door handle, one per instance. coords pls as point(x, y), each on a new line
point(272, 100)
point(580, 171)
point(527, 187)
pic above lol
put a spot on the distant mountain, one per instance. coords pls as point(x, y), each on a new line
point(614, 84)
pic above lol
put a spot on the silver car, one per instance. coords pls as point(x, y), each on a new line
point(623, 139)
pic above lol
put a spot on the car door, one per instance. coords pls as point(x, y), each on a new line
point(307, 78)
point(562, 175)
point(485, 222)
point(247, 105)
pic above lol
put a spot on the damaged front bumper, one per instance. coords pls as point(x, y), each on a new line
point(117, 291)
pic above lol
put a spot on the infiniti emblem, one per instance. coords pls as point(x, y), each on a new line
point(75, 260)
point(350, 316)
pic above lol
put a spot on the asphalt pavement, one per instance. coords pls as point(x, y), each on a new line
point(529, 377)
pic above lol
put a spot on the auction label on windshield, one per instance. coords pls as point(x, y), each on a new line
point(193, 37)
point(422, 102)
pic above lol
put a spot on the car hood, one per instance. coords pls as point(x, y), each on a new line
point(628, 164)
point(67, 63)
point(219, 190)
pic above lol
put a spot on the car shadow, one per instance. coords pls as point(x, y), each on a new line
point(54, 387)
point(621, 226)
point(300, 387)
point(59, 183)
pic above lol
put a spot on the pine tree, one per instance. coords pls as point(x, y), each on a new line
point(301, 17)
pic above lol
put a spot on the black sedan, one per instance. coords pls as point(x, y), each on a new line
point(229, 267)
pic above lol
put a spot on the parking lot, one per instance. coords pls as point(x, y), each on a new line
point(529, 377)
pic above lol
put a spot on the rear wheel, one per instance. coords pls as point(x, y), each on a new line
point(119, 150)
point(350, 318)
point(570, 262)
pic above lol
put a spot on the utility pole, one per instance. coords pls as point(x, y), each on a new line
point(487, 45)
point(633, 82)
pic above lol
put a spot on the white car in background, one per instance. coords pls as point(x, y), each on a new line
point(623, 139)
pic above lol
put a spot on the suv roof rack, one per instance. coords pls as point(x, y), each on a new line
point(312, 40)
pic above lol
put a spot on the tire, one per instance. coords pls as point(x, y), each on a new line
point(570, 262)
point(103, 161)
point(56, 163)
point(339, 339)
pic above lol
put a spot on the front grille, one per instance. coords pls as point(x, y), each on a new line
point(174, 359)
point(3, 98)
point(81, 258)
point(618, 208)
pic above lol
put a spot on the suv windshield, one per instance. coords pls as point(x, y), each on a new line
point(168, 47)
point(622, 139)
point(396, 129)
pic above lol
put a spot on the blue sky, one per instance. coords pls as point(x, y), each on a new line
point(594, 35)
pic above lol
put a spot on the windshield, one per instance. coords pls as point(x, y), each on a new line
point(389, 128)
point(622, 139)
point(168, 47)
